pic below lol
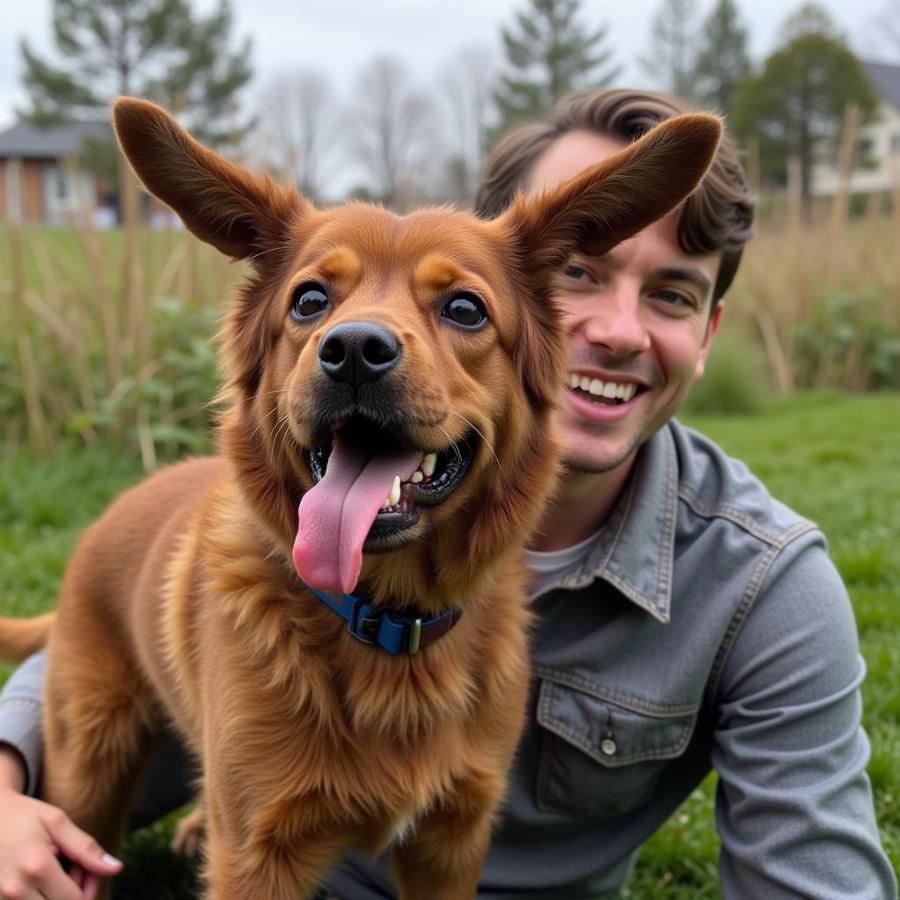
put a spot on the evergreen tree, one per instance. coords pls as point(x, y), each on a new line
point(154, 48)
point(671, 58)
point(549, 53)
point(722, 60)
point(796, 104)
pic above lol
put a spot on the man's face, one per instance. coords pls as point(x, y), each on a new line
point(638, 321)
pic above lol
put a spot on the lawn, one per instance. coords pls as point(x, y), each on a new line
point(834, 458)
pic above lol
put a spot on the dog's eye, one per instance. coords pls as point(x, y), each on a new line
point(308, 300)
point(465, 309)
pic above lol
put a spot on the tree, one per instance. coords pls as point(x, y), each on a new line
point(722, 61)
point(672, 35)
point(796, 104)
point(549, 53)
point(155, 48)
point(393, 127)
point(299, 124)
point(466, 83)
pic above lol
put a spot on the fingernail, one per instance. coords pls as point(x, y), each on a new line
point(109, 860)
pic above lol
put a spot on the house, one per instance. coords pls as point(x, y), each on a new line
point(40, 180)
point(878, 148)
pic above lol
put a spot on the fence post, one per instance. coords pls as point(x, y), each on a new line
point(841, 203)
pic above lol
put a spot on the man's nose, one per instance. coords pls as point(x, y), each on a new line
point(615, 322)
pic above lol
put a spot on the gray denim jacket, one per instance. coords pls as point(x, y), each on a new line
point(707, 628)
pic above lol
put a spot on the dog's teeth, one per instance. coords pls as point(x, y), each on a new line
point(585, 384)
point(417, 476)
point(428, 464)
point(394, 496)
point(597, 387)
point(387, 503)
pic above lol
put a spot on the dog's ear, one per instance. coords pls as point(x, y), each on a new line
point(616, 198)
point(217, 200)
point(594, 211)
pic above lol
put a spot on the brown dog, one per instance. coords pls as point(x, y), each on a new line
point(394, 378)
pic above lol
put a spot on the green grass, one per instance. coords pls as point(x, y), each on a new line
point(834, 458)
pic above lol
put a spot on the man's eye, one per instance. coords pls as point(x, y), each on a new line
point(674, 298)
point(576, 272)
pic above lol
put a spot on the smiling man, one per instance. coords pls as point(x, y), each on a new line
point(685, 620)
point(641, 322)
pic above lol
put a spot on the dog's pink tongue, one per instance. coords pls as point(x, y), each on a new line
point(336, 515)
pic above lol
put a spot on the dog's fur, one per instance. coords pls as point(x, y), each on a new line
point(182, 605)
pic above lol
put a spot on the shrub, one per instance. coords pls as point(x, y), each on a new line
point(847, 342)
point(735, 381)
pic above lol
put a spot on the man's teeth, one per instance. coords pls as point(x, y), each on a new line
point(610, 390)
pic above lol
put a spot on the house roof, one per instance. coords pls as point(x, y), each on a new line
point(29, 141)
point(886, 78)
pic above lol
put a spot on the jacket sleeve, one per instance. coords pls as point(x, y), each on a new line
point(794, 804)
point(21, 706)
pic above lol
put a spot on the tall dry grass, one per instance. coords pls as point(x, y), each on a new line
point(105, 335)
point(823, 299)
point(819, 289)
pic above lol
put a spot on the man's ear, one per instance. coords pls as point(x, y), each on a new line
point(614, 199)
point(712, 327)
point(218, 201)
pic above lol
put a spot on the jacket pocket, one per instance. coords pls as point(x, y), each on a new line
point(601, 757)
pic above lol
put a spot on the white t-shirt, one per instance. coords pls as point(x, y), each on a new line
point(549, 567)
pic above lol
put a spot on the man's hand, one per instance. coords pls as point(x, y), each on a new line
point(33, 835)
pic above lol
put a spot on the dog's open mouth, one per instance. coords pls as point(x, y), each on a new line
point(369, 489)
point(437, 475)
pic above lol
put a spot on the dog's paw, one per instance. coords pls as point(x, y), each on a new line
point(189, 833)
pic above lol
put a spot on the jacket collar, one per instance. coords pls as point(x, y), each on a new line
point(635, 550)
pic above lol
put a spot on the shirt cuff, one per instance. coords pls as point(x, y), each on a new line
point(21, 715)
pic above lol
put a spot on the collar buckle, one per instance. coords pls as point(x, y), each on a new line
point(364, 622)
point(391, 631)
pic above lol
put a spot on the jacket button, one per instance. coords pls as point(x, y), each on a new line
point(608, 746)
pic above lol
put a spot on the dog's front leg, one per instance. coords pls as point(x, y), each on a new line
point(442, 860)
point(269, 853)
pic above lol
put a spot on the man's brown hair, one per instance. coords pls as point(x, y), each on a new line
point(716, 218)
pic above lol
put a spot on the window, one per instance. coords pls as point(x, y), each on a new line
point(60, 184)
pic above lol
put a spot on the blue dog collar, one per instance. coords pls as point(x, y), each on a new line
point(392, 631)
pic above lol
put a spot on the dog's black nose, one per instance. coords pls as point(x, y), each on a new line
point(358, 352)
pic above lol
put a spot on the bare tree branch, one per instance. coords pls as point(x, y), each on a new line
point(301, 123)
point(393, 126)
point(466, 82)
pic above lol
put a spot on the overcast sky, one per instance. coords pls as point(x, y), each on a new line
point(337, 36)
